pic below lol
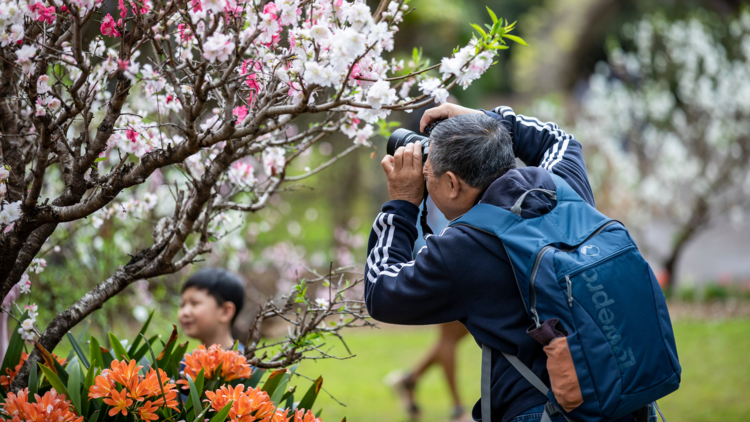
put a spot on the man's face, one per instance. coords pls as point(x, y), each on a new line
point(451, 195)
point(440, 190)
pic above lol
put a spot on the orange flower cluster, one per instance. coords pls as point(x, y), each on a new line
point(248, 406)
point(50, 407)
point(6, 380)
point(253, 405)
point(121, 386)
point(233, 364)
point(302, 416)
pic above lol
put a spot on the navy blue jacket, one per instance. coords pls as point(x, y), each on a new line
point(464, 275)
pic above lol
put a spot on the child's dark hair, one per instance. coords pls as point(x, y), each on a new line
point(221, 284)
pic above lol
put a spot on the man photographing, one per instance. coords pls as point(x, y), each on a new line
point(463, 274)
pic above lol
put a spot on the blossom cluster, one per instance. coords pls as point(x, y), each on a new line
point(668, 140)
point(232, 364)
point(49, 407)
point(124, 389)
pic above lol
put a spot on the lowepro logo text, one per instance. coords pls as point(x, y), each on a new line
point(606, 318)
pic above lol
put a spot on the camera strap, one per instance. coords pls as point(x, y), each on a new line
point(426, 230)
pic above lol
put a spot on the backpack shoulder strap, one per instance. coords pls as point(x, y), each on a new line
point(549, 409)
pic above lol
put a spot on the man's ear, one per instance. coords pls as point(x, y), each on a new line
point(227, 312)
point(454, 185)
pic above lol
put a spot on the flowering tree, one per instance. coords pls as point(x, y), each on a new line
point(178, 102)
point(667, 126)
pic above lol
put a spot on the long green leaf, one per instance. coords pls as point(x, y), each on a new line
point(77, 348)
point(254, 379)
point(56, 383)
point(134, 347)
point(479, 29)
point(194, 398)
point(492, 14)
point(33, 382)
point(15, 347)
point(273, 381)
point(515, 38)
point(74, 386)
point(120, 352)
point(312, 393)
point(95, 351)
point(281, 389)
point(222, 415)
point(141, 352)
point(90, 378)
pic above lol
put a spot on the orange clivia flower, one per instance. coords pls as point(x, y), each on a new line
point(119, 402)
point(6, 380)
point(124, 372)
point(302, 416)
point(147, 412)
point(233, 365)
point(101, 388)
point(247, 406)
point(50, 407)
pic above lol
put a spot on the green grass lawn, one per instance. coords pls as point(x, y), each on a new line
point(715, 358)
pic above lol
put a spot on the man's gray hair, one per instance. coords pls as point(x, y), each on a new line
point(475, 147)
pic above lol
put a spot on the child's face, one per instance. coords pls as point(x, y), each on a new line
point(200, 316)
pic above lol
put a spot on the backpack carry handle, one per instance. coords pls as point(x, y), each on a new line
point(516, 209)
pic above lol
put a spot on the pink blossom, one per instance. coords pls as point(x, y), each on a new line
point(109, 27)
point(196, 4)
point(131, 135)
point(240, 112)
point(122, 8)
point(271, 10)
point(43, 14)
point(123, 64)
point(185, 33)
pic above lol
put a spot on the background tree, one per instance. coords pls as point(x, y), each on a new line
point(174, 121)
point(667, 126)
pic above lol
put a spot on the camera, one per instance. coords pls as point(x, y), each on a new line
point(402, 137)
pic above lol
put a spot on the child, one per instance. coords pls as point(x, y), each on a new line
point(209, 303)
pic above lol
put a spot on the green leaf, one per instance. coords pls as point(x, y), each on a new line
point(143, 349)
point(74, 385)
point(222, 415)
point(273, 381)
point(33, 382)
point(120, 352)
point(90, 378)
point(95, 351)
point(312, 393)
point(15, 347)
point(194, 399)
point(100, 159)
point(281, 389)
point(515, 38)
point(134, 347)
point(480, 30)
point(77, 349)
point(492, 14)
point(55, 381)
point(286, 395)
point(254, 379)
point(319, 412)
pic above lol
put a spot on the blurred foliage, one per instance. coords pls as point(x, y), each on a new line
point(327, 217)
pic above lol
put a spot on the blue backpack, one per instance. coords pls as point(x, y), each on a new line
point(595, 305)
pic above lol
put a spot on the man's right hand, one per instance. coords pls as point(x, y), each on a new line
point(444, 111)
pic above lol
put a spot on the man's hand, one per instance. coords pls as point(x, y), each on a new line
point(404, 172)
point(443, 111)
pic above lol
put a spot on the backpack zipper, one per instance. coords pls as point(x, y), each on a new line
point(540, 255)
point(570, 291)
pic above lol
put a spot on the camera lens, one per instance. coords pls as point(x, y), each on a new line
point(402, 137)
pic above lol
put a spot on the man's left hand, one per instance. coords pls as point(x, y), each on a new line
point(404, 172)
